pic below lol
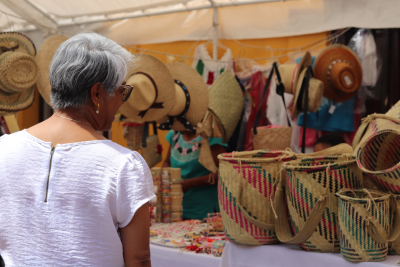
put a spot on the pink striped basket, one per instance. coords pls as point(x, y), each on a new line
point(246, 181)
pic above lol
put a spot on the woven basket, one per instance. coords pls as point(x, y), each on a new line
point(379, 155)
point(334, 150)
point(394, 247)
point(364, 223)
point(311, 185)
point(272, 138)
point(133, 136)
point(246, 181)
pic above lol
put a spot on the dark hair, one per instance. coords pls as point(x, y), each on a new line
point(332, 139)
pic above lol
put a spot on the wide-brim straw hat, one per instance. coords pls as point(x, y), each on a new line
point(292, 76)
point(18, 72)
point(153, 88)
point(198, 92)
point(226, 103)
point(339, 68)
point(43, 59)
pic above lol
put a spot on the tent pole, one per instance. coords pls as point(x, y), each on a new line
point(215, 26)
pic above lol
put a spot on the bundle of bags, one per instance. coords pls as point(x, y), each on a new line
point(320, 201)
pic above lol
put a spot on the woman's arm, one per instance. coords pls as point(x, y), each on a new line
point(167, 161)
point(205, 180)
point(135, 239)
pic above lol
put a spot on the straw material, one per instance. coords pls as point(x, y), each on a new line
point(358, 210)
point(150, 152)
point(43, 59)
point(246, 181)
point(272, 138)
point(198, 92)
point(226, 103)
point(334, 150)
point(379, 157)
point(164, 84)
point(310, 187)
point(133, 136)
point(18, 72)
point(394, 247)
point(339, 68)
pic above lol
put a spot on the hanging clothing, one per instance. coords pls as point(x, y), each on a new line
point(340, 120)
point(209, 69)
point(198, 201)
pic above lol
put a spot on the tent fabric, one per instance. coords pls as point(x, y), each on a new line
point(253, 21)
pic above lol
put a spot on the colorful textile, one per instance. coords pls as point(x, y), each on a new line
point(199, 201)
point(208, 69)
point(341, 120)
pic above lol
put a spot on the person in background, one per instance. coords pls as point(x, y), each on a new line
point(327, 141)
point(69, 196)
point(199, 185)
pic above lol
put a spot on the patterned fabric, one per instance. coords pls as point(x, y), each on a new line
point(199, 201)
point(208, 69)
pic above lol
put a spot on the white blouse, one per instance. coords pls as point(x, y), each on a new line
point(62, 206)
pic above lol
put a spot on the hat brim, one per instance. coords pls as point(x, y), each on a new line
point(43, 60)
point(24, 43)
point(11, 103)
point(313, 95)
point(321, 66)
point(164, 82)
point(198, 92)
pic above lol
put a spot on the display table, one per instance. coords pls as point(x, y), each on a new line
point(173, 257)
point(288, 255)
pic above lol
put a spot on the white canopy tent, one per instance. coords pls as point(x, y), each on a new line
point(132, 22)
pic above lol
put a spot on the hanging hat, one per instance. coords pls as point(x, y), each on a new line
point(292, 76)
point(153, 93)
point(226, 103)
point(339, 68)
point(43, 59)
point(18, 72)
point(191, 99)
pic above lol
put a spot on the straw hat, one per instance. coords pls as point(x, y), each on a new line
point(194, 100)
point(226, 103)
point(18, 72)
point(292, 76)
point(339, 68)
point(153, 93)
point(43, 59)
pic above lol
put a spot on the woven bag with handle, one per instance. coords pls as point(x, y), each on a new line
point(272, 138)
point(378, 156)
point(364, 223)
point(150, 147)
point(246, 181)
point(310, 185)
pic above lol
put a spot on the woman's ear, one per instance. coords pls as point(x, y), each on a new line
point(95, 93)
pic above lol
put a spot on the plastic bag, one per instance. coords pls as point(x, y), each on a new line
point(363, 44)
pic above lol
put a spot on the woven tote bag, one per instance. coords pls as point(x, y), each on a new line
point(379, 155)
point(133, 136)
point(364, 224)
point(394, 247)
point(246, 181)
point(272, 137)
point(150, 147)
point(310, 185)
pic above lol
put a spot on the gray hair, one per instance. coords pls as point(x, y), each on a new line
point(82, 61)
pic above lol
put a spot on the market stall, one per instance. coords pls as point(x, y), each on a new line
point(228, 115)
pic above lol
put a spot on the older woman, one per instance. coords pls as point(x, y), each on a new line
point(68, 196)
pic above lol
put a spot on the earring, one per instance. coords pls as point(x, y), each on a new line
point(97, 108)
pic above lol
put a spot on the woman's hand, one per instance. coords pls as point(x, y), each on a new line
point(135, 239)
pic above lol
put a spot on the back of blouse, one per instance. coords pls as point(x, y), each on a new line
point(62, 206)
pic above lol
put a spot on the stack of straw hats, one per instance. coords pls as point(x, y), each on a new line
point(18, 72)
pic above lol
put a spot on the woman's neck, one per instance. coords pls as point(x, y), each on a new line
point(188, 136)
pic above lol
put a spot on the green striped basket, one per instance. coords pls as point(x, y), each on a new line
point(364, 223)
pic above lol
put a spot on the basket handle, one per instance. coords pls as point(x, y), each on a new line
point(373, 231)
point(282, 224)
point(254, 221)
